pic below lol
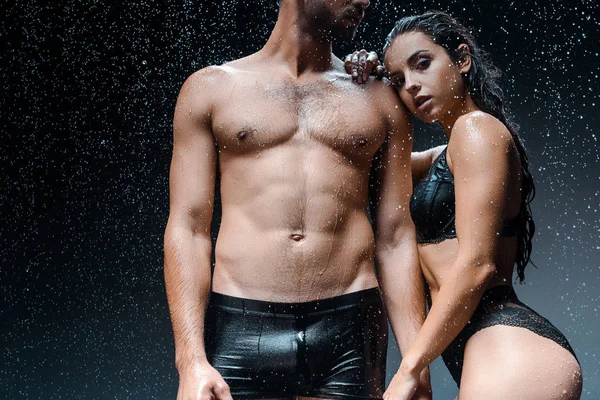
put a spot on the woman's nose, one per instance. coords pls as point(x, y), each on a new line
point(412, 85)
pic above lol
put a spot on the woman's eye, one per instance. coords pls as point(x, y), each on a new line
point(399, 82)
point(423, 64)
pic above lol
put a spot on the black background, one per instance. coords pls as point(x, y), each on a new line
point(88, 91)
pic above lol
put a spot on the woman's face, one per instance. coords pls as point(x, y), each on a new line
point(429, 83)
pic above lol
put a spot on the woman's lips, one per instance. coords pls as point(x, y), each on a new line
point(423, 104)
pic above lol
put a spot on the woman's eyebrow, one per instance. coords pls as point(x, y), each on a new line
point(414, 56)
point(409, 61)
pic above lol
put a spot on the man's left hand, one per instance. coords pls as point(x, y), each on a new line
point(423, 391)
point(409, 386)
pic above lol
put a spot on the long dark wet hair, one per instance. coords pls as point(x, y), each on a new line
point(484, 84)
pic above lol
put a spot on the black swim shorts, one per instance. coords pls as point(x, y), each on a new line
point(332, 348)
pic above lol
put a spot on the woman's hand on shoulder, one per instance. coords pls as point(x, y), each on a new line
point(361, 64)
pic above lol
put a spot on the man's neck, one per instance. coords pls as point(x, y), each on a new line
point(292, 43)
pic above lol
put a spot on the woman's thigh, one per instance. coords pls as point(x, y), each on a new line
point(505, 362)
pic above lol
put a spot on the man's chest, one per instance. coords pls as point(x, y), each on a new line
point(339, 115)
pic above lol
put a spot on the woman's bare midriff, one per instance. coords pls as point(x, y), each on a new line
point(437, 260)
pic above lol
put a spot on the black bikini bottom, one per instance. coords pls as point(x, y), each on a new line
point(333, 348)
point(499, 306)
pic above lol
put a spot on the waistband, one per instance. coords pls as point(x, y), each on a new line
point(310, 307)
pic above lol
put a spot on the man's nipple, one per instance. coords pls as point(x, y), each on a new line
point(242, 135)
point(297, 237)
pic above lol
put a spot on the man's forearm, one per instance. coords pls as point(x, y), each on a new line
point(187, 281)
point(403, 290)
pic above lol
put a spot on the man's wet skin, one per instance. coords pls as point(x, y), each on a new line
point(295, 164)
point(293, 138)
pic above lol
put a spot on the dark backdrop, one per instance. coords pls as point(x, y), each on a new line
point(88, 91)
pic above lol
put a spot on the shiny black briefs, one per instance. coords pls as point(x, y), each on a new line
point(499, 306)
point(432, 206)
point(333, 348)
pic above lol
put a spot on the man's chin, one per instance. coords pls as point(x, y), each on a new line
point(338, 33)
point(344, 35)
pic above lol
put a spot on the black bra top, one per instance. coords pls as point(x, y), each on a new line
point(432, 206)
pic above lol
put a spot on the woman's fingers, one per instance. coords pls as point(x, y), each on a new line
point(355, 65)
point(371, 63)
point(361, 64)
point(380, 71)
point(362, 60)
point(348, 66)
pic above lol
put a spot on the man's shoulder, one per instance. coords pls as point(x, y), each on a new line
point(383, 87)
point(209, 83)
point(240, 65)
point(203, 89)
point(209, 76)
point(221, 74)
point(387, 98)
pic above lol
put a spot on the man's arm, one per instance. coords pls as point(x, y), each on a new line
point(187, 237)
point(396, 257)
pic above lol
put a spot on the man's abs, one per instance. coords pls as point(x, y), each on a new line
point(294, 234)
point(276, 266)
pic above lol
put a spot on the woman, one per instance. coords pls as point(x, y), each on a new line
point(473, 221)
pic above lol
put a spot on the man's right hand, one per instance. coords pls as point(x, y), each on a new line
point(202, 382)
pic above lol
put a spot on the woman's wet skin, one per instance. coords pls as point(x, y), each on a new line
point(431, 86)
point(428, 82)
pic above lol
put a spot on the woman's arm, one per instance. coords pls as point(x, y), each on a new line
point(480, 151)
point(420, 162)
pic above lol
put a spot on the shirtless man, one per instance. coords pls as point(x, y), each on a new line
point(295, 309)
